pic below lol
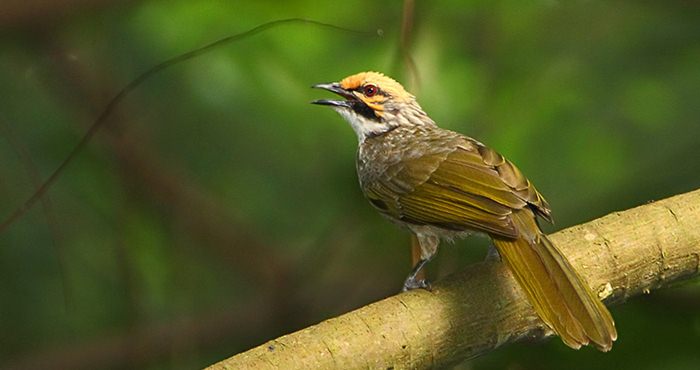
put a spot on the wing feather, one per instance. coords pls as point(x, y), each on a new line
point(469, 187)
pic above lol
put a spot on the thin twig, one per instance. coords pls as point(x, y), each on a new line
point(139, 80)
point(25, 158)
point(409, 7)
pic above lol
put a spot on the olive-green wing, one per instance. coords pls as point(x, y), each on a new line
point(515, 180)
point(469, 187)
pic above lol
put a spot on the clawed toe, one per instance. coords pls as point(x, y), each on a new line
point(413, 283)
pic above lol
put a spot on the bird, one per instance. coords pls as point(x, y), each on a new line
point(442, 185)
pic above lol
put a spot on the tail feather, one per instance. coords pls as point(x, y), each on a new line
point(557, 292)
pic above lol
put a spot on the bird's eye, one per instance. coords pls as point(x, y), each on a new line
point(370, 90)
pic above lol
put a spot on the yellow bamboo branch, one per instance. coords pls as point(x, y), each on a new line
point(481, 308)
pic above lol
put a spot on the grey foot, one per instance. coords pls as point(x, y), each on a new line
point(413, 283)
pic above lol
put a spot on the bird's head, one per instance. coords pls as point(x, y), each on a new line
point(373, 104)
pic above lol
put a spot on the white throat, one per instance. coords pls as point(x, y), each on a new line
point(362, 126)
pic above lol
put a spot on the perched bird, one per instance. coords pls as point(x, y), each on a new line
point(440, 184)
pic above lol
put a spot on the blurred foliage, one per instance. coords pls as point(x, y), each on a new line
point(218, 209)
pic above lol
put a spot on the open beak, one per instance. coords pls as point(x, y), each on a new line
point(335, 88)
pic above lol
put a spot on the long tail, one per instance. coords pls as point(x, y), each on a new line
point(557, 292)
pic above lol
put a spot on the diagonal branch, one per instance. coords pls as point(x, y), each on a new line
point(481, 308)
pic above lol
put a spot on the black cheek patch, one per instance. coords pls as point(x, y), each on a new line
point(364, 110)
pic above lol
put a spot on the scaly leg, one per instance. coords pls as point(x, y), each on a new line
point(428, 247)
point(416, 256)
point(414, 283)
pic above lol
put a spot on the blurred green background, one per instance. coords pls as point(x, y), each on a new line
point(218, 209)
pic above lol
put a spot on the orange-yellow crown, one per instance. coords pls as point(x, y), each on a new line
point(387, 85)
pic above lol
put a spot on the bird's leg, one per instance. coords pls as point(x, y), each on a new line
point(412, 282)
point(428, 247)
point(416, 255)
